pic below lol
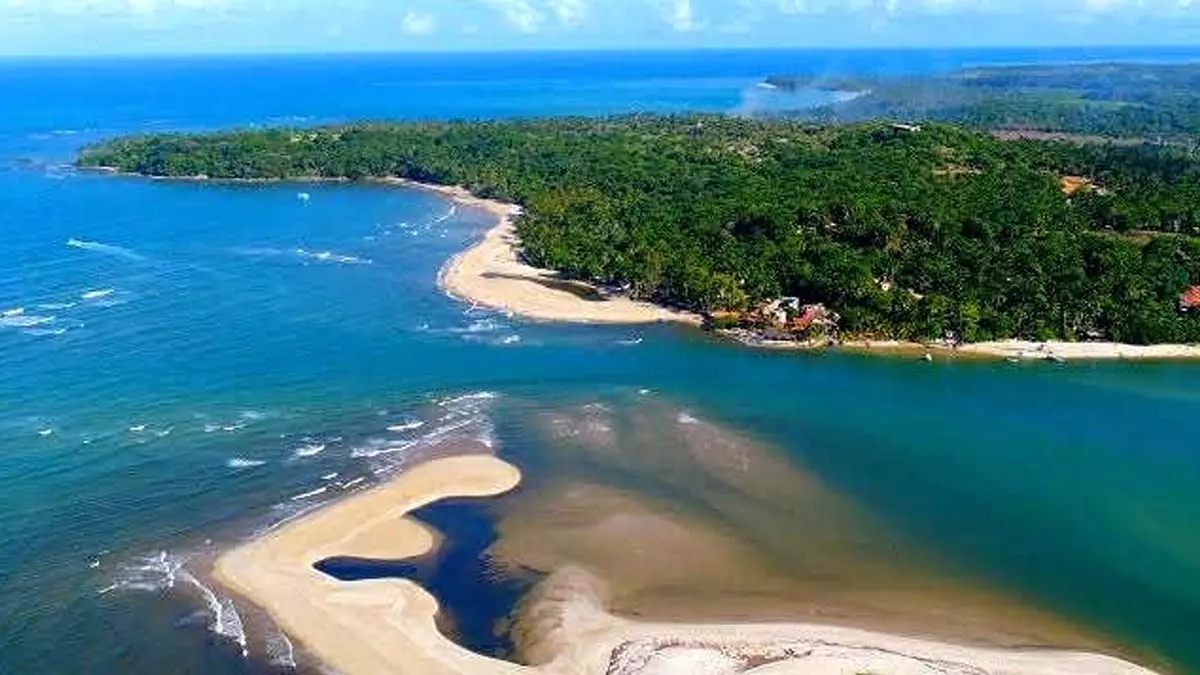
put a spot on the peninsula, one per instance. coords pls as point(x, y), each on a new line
point(791, 231)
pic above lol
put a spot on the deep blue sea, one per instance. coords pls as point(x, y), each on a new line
point(184, 364)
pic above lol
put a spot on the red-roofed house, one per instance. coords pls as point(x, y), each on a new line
point(1190, 299)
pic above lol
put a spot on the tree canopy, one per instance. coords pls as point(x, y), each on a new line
point(906, 234)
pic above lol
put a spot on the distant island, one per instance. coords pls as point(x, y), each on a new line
point(1111, 100)
point(793, 230)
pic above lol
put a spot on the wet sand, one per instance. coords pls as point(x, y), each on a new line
point(607, 549)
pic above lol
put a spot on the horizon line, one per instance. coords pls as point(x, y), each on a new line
point(591, 50)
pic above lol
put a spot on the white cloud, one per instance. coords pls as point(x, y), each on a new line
point(521, 14)
point(417, 23)
point(569, 12)
point(679, 14)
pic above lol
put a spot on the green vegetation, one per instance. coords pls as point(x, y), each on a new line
point(905, 235)
point(1111, 100)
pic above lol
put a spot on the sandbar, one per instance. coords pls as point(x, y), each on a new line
point(387, 626)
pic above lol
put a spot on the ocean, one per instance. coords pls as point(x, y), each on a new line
point(183, 365)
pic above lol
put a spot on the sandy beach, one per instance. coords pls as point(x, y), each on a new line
point(388, 626)
point(1013, 350)
point(491, 274)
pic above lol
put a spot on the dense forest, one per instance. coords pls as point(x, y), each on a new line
point(909, 234)
point(1146, 101)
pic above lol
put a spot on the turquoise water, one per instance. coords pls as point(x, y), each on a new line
point(182, 364)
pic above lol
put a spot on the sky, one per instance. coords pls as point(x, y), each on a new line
point(106, 27)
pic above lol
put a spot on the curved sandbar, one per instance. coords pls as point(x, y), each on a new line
point(491, 274)
point(387, 626)
point(376, 626)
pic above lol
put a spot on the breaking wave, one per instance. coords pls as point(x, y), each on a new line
point(243, 463)
point(305, 255)
point(225, 620)
point(23, 320)
point(310, 494)
point(97, 294)
point(329, 256)
point(309, 450)
point(163, 572)
point(107, 249)
point(280, 652)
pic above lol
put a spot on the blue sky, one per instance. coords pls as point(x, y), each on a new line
point(244, 26)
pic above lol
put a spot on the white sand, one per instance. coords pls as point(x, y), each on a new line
point(387, 626)
point(1020, 349)
point(491, 274)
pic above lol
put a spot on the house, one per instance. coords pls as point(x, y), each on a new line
point(906, 128)
point(1190, 299)
point(811, 316)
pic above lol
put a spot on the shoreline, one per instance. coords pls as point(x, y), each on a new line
point(1009, 350)
point(490, 273)
point(387, 626)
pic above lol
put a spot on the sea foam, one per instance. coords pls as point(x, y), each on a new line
point(243, 463)
point(107, 249)
point(97, 294)
point(226, 621)
point(309, 450)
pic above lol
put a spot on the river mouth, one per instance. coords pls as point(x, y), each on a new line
point(685, 520)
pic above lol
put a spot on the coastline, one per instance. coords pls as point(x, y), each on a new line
point(490, 273)
point(1009, 350)
point(387, 626)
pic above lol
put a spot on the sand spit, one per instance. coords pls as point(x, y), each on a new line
point(366, 627)
point(1013, 350)
point(1018, 349)
point(387, 626)
point(491, 274)
point(571, 605)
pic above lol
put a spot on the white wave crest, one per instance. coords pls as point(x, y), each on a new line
point(379, 448)
point(97, 294)
point(56, 305)
point(407, 426)
point(465, 398)
point(311, 493)
point(330, 256)
point(481, 326)
point(448, 215)
point(309, 450)
point(24, 321)
point(226, 621)
point(108, 249)
point(150, 573)
point(45, 332)
point(280, 652)
point(244, 463)
point(15, 311)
